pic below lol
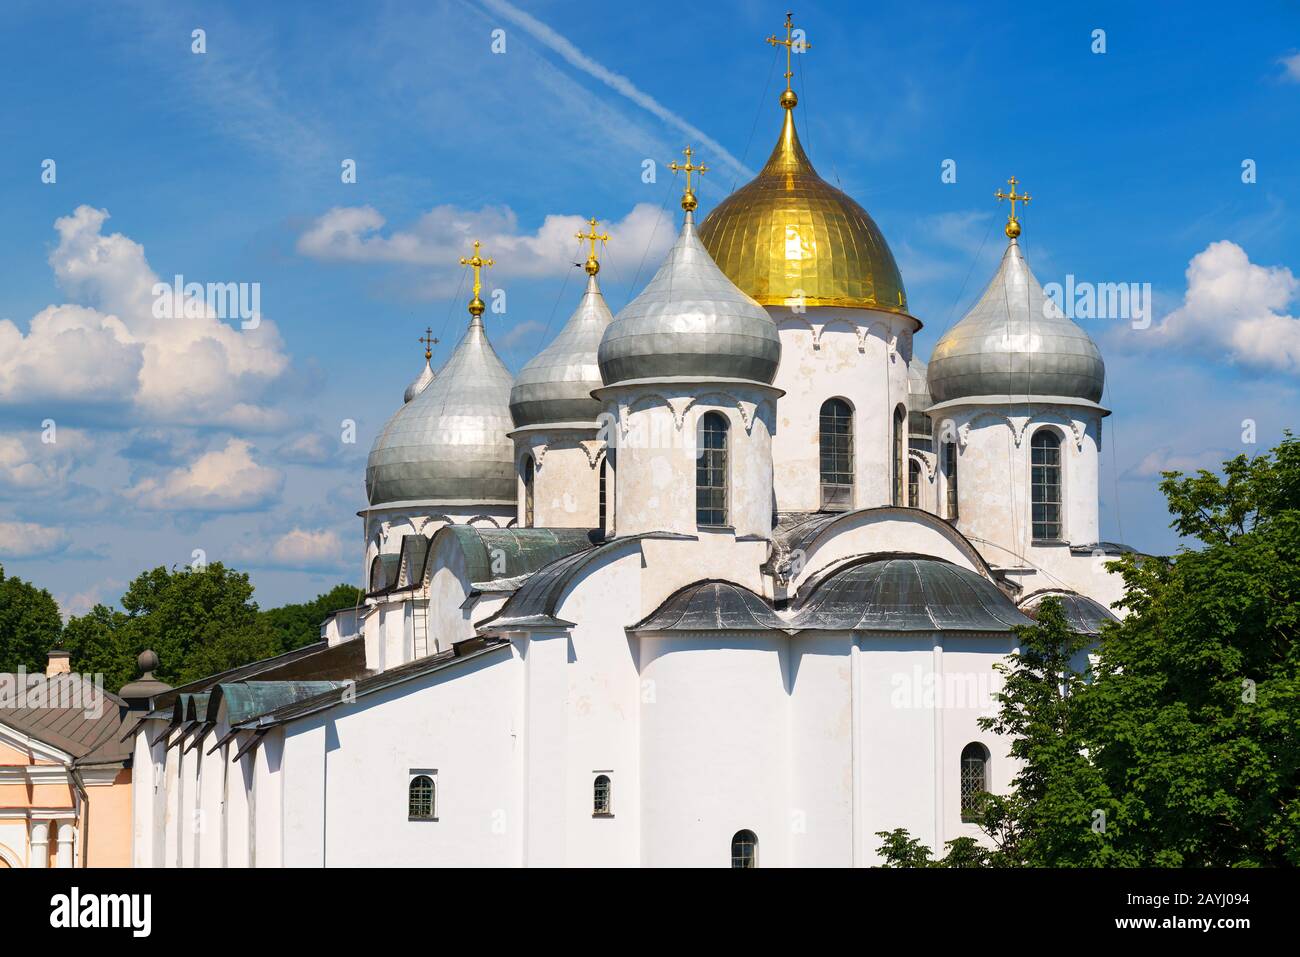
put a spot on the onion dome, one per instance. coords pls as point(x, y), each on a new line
point(554, 387)
point(690, 322)
point(1016, 342)
point(449, 444)
point(918, 400)
point(789, 234)
point(421, 382)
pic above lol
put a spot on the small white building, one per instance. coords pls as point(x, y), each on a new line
point(718, 581)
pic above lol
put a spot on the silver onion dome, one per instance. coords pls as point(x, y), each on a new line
point(918, 400)
point(1016, 342)
point(449, 444)
point(690, 321)
point(420, 383)
point(554, 387)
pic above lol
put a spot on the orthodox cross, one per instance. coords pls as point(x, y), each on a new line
point(478, 262)
point(429, 342)
point(593, 263)
point(688, 198)
point(1013, 224)
point(791, 45)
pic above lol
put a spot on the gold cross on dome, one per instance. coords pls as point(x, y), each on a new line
point(429, 342)
point(791, 45)
point(688, 198)
point(1014, 197)
point(593, 262)
point(478, 262)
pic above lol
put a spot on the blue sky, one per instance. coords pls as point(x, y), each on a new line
point(225, 167)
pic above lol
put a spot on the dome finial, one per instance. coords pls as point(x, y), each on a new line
point(792, 45)
point(689, 202)
point(429, 342)
point(478, 262)
point(1012, 228)
point(593, 264)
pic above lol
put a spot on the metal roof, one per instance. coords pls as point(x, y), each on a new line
point(1083, 615)
point(798, 531)
point(536, 601)
point(89, 739)
point(554, 387)
point(690, 321)
point(347, 659)
point(248, 699)
point(1016, 342)
point(712, 605)
point(449, 443)
point(906, 593)
point(496, 558)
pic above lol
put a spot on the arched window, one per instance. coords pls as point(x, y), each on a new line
point(900, 447)
point(711, 471)
point(420, 796)
point(744, 849)
point(602, 792)
point(530, 473)
point(914, 483)
point(836, 441)
point(974, 778)
point(1045, 485)
point(600, 500)
point(950, 479)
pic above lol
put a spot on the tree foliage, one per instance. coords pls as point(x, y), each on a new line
point(200, 622)
point(29, 624)
point(1181, 746)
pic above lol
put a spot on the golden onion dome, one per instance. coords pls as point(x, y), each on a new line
point(789, 234)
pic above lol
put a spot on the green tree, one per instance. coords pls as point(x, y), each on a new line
point(1182, 747)
point(1058, 807)
point(179, 612)
point(30, 624)
point(1194, 719)
point(900, 849)
point(99, 644)
point(299, 624)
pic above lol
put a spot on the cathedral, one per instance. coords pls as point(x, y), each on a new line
point(720, 580)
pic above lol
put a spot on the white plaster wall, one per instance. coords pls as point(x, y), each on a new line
point(268, 801)
point(346, 773)
point(212, 787)
point(715, 748)
point(655, 474)
point(880, 532)
point(566, 478)
point(174, 786)
point(860, 355)
point(993, 473)
point(821, 751)
point(239, 786)
point(601, 689)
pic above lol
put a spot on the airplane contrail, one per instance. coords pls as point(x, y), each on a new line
point(620, 84)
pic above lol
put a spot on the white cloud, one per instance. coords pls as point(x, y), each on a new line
point(225, 480)
point(1291, 64)
point(29, 540)
point(309, 448)
point(110, 348)
point(445, 233)
point(299, 549)
point(1235, 308)
point(1166, 459)
point(31, 466)
point(617, 82)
